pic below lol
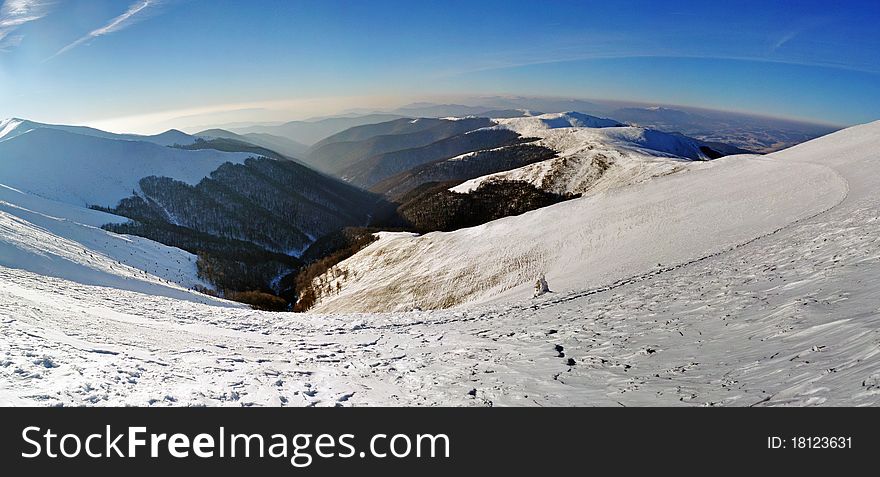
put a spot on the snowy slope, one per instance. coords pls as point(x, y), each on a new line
point(87, 170)
point(13, 127)
point(60, 240)
point(788, 317)
point(590, 242)
point(50, 175)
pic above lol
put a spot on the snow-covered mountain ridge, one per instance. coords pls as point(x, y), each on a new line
point(595, 154)
point(12, 127)
point(194, 196)
point(50, 176)
point(557, 128)
point(86, 170)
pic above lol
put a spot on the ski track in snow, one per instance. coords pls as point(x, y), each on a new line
point(791, 317)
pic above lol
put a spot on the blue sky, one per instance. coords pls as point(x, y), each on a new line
point(137, 63)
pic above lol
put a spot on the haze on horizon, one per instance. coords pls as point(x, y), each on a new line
point(145, 65)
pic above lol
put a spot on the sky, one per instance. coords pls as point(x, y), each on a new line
point(140, 64)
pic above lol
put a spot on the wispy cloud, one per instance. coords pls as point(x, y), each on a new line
point(136, 12)
point(796, 30)
point(787, 37)
point(14, 14)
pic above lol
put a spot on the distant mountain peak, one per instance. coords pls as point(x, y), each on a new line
point(13, 127)
point(529, 125)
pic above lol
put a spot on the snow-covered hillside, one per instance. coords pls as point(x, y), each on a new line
point(50, 175)
point(87, 170)
point(767, 293)
point(221, 205)
point(706, 208)
point(59, 240)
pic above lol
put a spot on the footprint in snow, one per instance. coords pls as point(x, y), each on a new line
point(345, 397)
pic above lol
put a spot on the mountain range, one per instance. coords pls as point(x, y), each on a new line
point(310, 132)
point(747, 131)
point(246, 211)
point(659, 257)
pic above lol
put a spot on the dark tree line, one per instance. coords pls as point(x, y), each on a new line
point(245, 221)
point(230, 265)
point(433, 207)
point(348, 148)
point(230, 145)
point(477, 164)
point(278, 205)
point(369, 172)
point(323, 255)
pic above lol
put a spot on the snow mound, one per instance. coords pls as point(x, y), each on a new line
point(86, 170)
point(532, 125)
